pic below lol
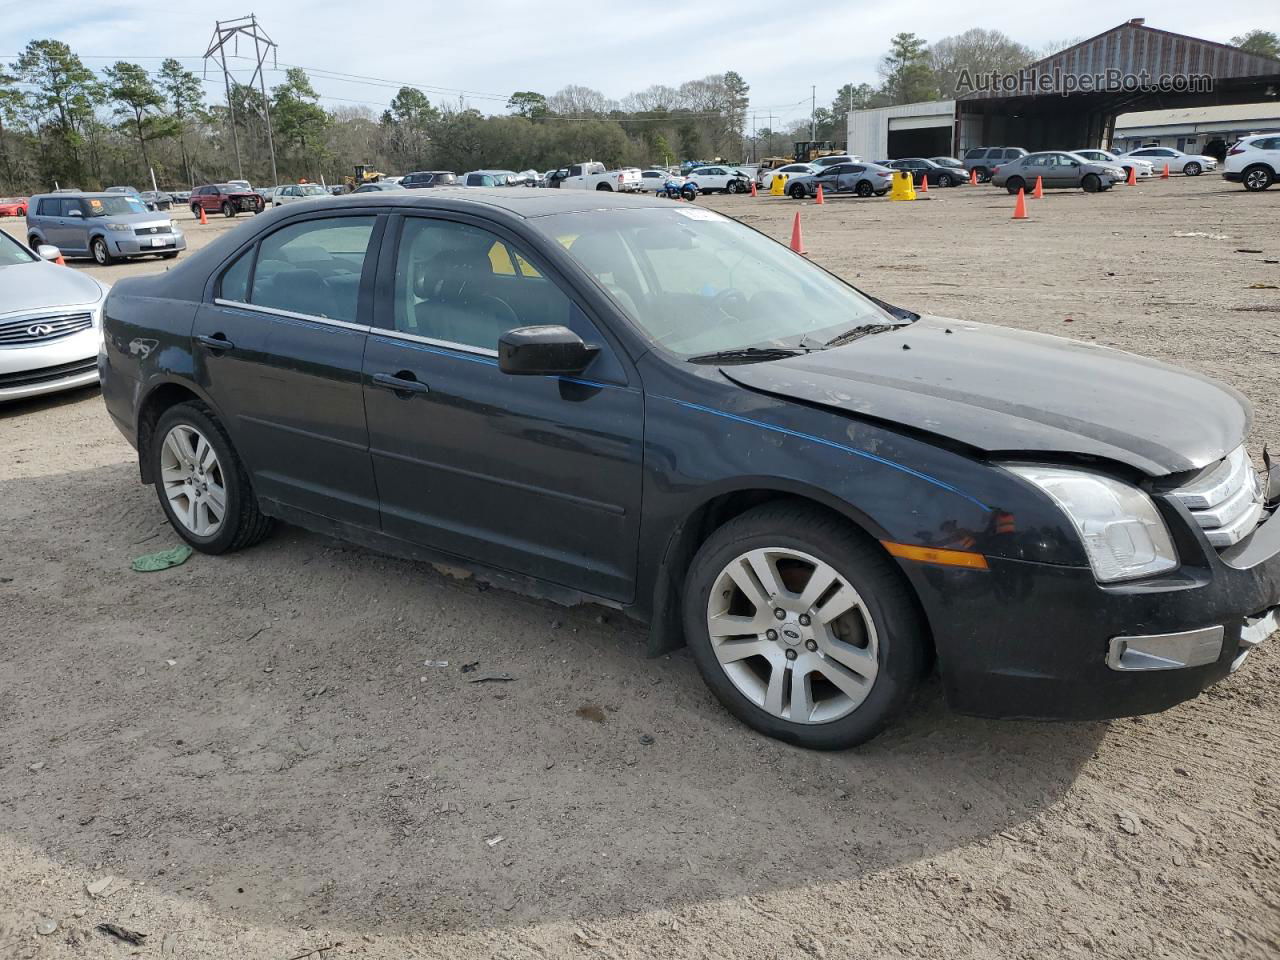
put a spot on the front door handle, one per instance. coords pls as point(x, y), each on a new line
point(403, 383)
point(216, 343)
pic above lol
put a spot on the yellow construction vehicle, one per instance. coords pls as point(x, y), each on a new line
point(363, 174)
point(808, 151)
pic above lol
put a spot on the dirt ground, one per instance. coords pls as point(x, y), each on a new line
point(261, 752)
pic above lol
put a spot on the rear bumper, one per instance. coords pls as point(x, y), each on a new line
point(1038, 640)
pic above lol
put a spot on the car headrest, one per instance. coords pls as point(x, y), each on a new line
point(444, 275)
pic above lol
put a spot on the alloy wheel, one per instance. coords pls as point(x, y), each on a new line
point(793, 635)
point(193, 480)
point(1256, 179)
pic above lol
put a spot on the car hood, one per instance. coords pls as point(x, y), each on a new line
point(1015, 393)
point(27, 287)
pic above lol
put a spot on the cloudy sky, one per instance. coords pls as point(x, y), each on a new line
point(485, 51)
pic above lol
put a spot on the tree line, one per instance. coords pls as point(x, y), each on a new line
point(62, 123)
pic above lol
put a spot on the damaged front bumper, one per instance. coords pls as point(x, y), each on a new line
point(1039, 640)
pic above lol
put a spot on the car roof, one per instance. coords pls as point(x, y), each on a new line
point(521, 203)
point(79, 193)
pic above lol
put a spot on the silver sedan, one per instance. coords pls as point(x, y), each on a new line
point(1056, 169)
point(50, 323)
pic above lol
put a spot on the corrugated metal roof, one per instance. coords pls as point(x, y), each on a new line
point(1244, 112)
point(1134, 48)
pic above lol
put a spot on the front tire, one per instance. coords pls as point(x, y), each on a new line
point(1091, 183)
point(797, 191)
point(1014, 184)
point(944, 180)
point(846, 652)
point(1191, 169)
point(101, 253)
point(202, 485)
point(228, 210)
point(1257, 178)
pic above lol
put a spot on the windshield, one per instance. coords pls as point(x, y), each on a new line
point(311, 190)
point(113, 206)
point(696, 282)
point(12, 252)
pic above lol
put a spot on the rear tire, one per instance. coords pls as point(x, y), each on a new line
point(1257, 177)
point(864, 188)
point(825, 683)
point(241, 523)
point(195, 210)
point(983, 174)
point(604, 186)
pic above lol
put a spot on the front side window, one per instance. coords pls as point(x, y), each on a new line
point(696, 282)
point(312, 268)
point(461, 284)
point(235, 281)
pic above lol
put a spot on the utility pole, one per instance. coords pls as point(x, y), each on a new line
point(233, 30)
point(813, 112)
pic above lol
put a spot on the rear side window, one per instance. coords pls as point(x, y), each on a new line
point(235, 281)
point(976, 154)
point(312, 268)
point(47, 208)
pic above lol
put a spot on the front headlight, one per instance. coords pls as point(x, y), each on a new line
point(120, 227)
point(1123, 534)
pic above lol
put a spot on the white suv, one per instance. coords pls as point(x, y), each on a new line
point(1254, 161)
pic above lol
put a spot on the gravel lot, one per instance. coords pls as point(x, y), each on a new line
point(257, 751)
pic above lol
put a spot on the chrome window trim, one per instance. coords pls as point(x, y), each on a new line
point(430, 341)
point(274, 312)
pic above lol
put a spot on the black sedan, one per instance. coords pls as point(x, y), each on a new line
point(602, 397)
point(922, 169)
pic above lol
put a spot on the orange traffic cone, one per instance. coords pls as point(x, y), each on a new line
point(1165, 175)
point(973, 178)
point(819, 197)
point(1038, 191)
point(60, 261)
point(1020, 208)
point(753, 188)
point(1133, 177)
point(203, 218)
point(924, 183)
point(797, 237)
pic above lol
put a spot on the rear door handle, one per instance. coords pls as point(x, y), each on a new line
point(403, 382)
point(216, 343)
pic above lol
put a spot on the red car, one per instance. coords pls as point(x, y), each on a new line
point(13, 206)
point(227, 199)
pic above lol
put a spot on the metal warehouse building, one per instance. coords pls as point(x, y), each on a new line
point(1196, 129)
point(1072, 98)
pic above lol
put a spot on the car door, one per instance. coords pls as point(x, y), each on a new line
point(535, 475)
point(279, 351)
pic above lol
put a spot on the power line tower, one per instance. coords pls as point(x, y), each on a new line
point(229, 32)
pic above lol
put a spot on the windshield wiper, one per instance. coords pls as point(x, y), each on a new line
point(857, 333)
point(749, 355)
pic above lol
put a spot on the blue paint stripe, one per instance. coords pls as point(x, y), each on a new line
point(830, 443)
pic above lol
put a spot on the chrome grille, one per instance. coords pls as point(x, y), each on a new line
point(147, 231)
point(1226, 501)
point(26, 330)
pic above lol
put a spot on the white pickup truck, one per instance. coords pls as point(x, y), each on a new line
point(593, 176)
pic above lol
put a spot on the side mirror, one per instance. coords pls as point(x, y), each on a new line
point(47, 251)
point(550, 350)
point(75, 213)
